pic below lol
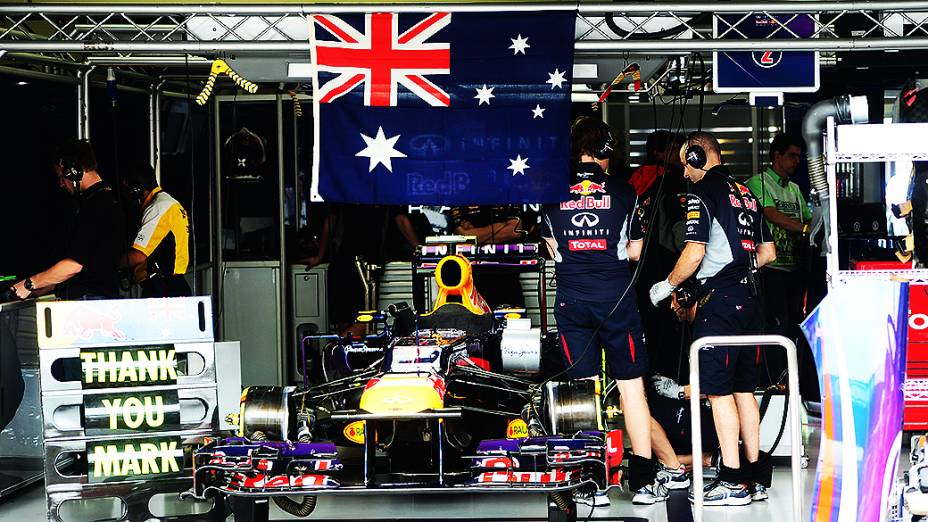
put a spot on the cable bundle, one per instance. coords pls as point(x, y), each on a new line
point(297, 106)
point(221, 67)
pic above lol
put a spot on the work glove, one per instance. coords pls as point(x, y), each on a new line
point(666, 387)
point(661, 291)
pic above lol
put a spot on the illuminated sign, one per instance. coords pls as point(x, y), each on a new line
point(109, 367)
point(135, 412)
point(109, 461)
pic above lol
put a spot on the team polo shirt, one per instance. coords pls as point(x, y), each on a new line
point(164, 236)
point(591, 231)
point(725, 216)
point(788, 200)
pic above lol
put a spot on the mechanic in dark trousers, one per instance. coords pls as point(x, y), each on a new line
point(89, 269)
point(500, 286)
point(160, 253)
point(727, 241)
point(591, 237)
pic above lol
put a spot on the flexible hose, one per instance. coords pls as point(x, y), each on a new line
point(298, 509)
point(562, 500)
point(207, 90)
point(844, 109)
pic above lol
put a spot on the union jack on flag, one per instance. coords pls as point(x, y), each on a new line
point(441, 108)
point(382, 58)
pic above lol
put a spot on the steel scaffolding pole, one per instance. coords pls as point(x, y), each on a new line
point(585, 8)
point(600, 46)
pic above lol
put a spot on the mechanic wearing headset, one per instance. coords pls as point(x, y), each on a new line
point(89, 269)
point(592, 236)
point(161, 250)
point(727, 241)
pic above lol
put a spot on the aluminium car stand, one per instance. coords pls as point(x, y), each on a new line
point(745, 341)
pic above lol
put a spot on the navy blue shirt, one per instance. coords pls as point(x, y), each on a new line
point(724, 215)
point(591, 231)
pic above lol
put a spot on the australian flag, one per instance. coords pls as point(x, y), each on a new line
point(442, 108)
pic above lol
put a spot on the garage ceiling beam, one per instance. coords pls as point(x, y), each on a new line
point(586, 8)
point(599, 46)
point(100, 30)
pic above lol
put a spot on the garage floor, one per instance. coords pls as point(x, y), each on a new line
point(30, 504)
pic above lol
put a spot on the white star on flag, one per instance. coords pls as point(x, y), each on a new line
point(537, 112)
point(556, 78)
point(518, 165)
point(484, 94)
point(381, 150)
point(519, 45)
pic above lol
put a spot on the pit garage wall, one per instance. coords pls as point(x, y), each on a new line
point(743, 131)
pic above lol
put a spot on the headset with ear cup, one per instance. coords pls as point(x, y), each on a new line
point(603, 148)
point(606, 146)
point(71, 170)
point(694, 155)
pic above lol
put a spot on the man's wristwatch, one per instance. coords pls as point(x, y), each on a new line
point(28, 285)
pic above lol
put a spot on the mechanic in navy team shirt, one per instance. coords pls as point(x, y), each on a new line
point(591, 237)
point(727, 241)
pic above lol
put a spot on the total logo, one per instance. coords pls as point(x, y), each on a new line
point(587, 187)
point(767, 59)
point(580, 245)
point(588, 202)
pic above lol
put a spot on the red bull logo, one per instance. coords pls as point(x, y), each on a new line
point(86, 321)
point(587, 187)
point(588, 202)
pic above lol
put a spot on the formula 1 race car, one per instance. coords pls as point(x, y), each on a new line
point(453, 400)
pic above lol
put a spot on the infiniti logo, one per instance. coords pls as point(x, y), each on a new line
point(585, 219)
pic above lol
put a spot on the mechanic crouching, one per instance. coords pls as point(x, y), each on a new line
point(591, 238)
point(727, 241)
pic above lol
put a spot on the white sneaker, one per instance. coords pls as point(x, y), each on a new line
point(758, 493)
point(598, 499)
point(673, 478)
point(651, 494)
point(721, 493)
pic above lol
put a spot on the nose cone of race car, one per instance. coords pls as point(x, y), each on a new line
point(402, 393)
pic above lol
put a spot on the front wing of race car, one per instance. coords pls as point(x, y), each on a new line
point(241, 467)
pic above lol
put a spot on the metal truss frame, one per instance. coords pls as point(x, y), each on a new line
point(125, 33)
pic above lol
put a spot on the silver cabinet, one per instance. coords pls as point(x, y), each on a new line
point(309, 298)
point(251, 314)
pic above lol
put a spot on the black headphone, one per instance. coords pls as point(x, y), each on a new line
point(695, 155)
point(604, 148)
point(134, 190)
point(71, 170)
